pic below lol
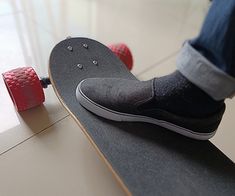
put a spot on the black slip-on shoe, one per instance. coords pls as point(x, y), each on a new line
point(131, 100)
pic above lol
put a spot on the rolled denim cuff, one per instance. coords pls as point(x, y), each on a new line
point(201, 72)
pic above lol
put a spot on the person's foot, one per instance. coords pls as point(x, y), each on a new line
point(170, 101)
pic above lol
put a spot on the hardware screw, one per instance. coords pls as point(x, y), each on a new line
point(80, 66)
point(85, 46)
point(95, 62)
point(69, 37)
point(70, 48)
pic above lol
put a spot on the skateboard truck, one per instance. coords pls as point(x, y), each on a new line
point(26, 89)
point(45, 81)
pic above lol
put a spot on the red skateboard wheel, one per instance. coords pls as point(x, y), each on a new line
point(124, 53)
point(24, 88)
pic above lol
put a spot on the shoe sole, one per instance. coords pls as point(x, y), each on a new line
point(118, 116)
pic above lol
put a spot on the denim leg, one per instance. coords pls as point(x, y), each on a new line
point(216, 40)
point(208, 61)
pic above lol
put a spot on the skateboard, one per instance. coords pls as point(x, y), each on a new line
point(144, 158)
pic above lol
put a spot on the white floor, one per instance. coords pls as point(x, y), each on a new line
point(43, 151)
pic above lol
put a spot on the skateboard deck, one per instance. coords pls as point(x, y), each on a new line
point(145, 159)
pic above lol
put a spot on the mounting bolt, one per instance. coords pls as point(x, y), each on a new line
point(80, 66)
point(70, 48)
point(85, 45)
point(69, 37)
point(95, 62)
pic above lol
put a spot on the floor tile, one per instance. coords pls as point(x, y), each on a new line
point(59, 161)
point(159, 69)
point(152, 29)
point(224, 138)
point(24, 44)
point(9, 7)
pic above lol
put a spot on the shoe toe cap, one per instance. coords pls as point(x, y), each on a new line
point(114, 93)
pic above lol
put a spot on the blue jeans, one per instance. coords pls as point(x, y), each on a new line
point(208, 61)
